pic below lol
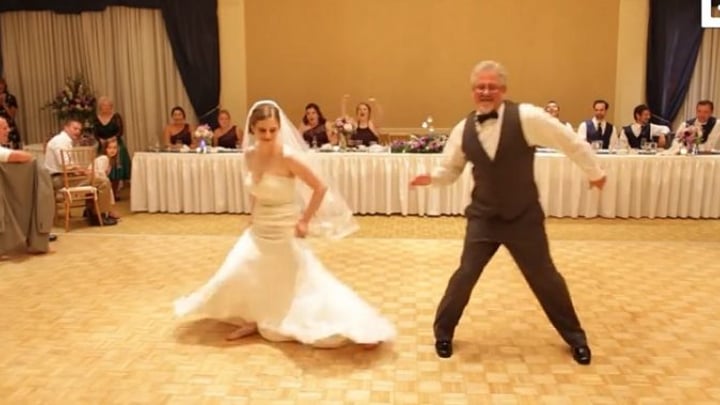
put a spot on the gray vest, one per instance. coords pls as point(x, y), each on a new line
point(505, 186)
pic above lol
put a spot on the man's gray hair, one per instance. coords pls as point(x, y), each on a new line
point(490, 65)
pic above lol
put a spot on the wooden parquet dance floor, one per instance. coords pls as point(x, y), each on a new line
point(92, 323)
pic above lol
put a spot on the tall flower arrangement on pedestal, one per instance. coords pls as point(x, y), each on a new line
point(75, 99)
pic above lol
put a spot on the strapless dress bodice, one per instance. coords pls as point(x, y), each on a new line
point(276, 210)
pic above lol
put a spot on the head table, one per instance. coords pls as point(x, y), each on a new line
point(378, 183)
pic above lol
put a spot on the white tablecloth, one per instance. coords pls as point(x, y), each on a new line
point(638, 186)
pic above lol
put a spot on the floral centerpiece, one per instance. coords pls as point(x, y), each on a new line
point(205, 136)
point(429, 143)
point(345, 128)
point(420, 144)
point(76, 99)
point(690, 139)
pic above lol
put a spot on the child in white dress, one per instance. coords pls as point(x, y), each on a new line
point(108, 153)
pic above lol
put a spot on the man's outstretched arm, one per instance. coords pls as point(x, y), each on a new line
point(452, 163)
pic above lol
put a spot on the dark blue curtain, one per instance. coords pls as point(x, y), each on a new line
point(674, 36)
point(192, 29)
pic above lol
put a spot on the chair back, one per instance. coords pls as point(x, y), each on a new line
point(78, 166)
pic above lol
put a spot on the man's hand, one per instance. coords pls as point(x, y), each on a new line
point(421, 180)
point(599, 183)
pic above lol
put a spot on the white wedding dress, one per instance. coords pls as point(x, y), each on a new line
point(273, 279)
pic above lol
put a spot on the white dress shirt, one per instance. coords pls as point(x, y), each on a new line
point(713, 140)
point(655, 130)
point(58, 143)
point(540, 129)
point(102, 166)
point(582, 131)
point(5, 154)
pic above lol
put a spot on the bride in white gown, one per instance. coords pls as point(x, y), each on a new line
point(271, 282)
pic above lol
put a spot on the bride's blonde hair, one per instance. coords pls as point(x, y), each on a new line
point(262, 112)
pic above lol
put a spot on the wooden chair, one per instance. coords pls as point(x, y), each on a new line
point(78, 173)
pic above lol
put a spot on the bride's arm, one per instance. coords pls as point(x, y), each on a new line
point(248, 159)
point(303, 172)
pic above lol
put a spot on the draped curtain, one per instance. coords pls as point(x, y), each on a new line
point(123, 52)
point(705, 82)
point(190, 26)
point(674, 36)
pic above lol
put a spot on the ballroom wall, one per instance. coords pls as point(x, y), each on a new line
point(414, 56)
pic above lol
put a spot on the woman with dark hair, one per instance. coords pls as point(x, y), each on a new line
point(178, 131)
point(8, 110)
point(315, 129)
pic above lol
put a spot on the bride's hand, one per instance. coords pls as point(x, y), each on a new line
point(301, 229)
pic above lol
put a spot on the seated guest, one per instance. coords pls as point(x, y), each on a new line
point(26, 217)
point(8, 110)
point(315, 129)
point(706, 123)
point(10, 155)
point(366, 130)
point(642, 129)
point(597, 128)
point(227, 135)
point(553, 109)
point(178, 131)
point(63, 141)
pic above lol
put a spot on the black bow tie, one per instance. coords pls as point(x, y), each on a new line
point(484, 117)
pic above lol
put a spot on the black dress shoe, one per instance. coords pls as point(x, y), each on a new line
point(52, 237)
point(107, 221)
point(582, 354)
point(443, 348)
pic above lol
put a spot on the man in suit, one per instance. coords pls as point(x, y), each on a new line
point(643, 129)
point(597, 128)
point(707, 125)
point(499, 138)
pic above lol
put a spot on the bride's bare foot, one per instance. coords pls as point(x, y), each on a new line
point(370, 346)
point(241, 332)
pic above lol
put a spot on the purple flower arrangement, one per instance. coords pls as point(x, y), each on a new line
point(420, 144)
